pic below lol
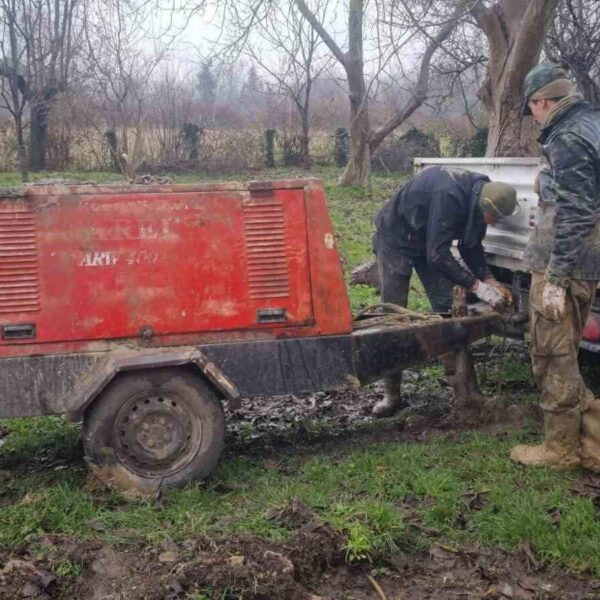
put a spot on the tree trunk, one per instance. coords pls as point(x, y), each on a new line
point(589, 88)
point(358, 168)
point(509, 133)
point(515, 31)
point(304, 158)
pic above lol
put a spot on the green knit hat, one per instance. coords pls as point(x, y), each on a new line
point(498, 199)
point(540, 76)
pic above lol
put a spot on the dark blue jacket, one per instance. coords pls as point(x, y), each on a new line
point(429, 212)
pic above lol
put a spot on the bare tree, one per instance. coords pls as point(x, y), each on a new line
point(37, 52)
point(13, 85)
point(388, 29)
point(574, 39)
point(515, 31)
point(287, 48)
point(363, 138)
point(121, 53)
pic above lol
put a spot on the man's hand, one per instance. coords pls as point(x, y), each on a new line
point(506, 292)
point(489, 294)
point(554, 302)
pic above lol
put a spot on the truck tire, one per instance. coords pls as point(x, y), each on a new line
point(155, 427)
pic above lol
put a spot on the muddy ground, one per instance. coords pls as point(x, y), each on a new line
point(310, 565)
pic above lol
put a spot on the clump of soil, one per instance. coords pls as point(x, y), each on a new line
point(242, 566)
point(307, 566)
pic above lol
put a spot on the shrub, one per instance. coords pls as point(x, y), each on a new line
point(191, 136)
point(397, 153)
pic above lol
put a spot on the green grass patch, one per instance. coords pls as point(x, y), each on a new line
point(372, 494)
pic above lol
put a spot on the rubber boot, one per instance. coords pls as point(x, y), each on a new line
point(392, 401)
point(590, 437)
point(561, 443)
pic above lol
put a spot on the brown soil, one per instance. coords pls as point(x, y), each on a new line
point(308, 566)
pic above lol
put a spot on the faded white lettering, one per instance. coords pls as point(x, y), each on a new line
point(99, 259)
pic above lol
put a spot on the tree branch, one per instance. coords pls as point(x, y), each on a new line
point(318, 27)
point(421, 90)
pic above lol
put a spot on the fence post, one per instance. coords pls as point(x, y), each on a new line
point(270, 147)
point(342, 139)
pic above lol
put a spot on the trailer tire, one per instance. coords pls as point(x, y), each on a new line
point(154, 427)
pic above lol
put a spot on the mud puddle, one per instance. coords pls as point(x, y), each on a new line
point(301, 423)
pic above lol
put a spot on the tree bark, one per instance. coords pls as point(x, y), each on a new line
point(515, 31)
point(358, 169)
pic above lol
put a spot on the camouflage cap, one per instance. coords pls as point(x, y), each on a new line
point(498, 199)
point(538, 77)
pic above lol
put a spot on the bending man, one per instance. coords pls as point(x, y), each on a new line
point(416, 229)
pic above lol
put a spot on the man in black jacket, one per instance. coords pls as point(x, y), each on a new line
point(416, 229)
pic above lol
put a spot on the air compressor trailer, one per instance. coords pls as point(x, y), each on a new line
point(139, 310)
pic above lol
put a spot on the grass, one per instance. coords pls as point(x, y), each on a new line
point(374, 494)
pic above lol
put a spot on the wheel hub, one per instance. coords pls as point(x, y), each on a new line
point(155, 433)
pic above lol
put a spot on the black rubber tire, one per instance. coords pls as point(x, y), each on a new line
point(203, 409)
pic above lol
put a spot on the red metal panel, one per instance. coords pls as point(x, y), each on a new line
point(173, 264)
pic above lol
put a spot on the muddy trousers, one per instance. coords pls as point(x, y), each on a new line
point(571, 414)
point(394, 277)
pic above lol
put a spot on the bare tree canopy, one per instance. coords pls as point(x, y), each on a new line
point(574, 39)
point(38, 44)
point(287, 49)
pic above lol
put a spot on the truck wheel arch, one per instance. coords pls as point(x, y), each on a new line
point(91, 387)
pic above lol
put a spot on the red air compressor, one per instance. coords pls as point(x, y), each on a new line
point(138, 309)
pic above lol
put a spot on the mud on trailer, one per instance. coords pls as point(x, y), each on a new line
point(139, 310)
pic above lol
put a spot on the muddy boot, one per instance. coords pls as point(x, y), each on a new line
point(590, 437)
point(561, 444)
point(470, 406)
point(392, 401)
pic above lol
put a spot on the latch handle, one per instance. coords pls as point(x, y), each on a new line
point(18, 331)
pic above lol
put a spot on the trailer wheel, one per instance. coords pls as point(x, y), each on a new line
point(158, 427)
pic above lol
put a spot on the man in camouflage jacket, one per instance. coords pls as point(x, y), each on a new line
point(563, 256)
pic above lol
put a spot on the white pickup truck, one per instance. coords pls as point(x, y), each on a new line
point(504, 243)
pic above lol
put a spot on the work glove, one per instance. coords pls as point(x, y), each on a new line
point(506, 292)
point(489, 294)
point(554, 302)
